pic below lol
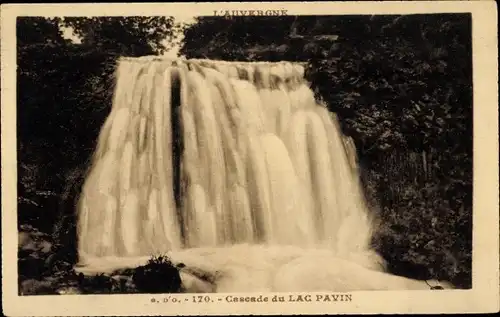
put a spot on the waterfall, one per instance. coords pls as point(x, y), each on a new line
point(209, 153)
point(213, 155)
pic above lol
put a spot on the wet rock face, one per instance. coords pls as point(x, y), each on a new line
point(123, 284)
point(158, 276)
point(32, 240)
point(70, 283)
point(34, 249)
point(194, 284)
point(41, 269)
point(36, 287)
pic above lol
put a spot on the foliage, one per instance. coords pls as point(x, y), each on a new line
point(132, 36)
point(159, 275)
point(425, 235)
point(401, 86)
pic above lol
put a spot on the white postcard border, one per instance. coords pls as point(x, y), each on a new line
point(483, 297)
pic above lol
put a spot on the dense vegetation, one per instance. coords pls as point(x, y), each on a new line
point(401, 86)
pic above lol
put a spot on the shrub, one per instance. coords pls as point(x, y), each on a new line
point(159, 275)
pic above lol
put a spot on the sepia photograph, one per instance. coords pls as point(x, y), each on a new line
point(250, 150)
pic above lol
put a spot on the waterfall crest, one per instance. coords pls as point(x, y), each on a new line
point(200, 153)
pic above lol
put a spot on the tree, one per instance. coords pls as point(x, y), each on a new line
point(39, 31)
point(230, 39)
point(126, 36)
point(39, 40)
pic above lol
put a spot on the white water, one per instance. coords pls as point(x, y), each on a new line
point(268, 185)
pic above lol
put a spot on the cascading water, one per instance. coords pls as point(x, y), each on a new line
point(222, 161)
